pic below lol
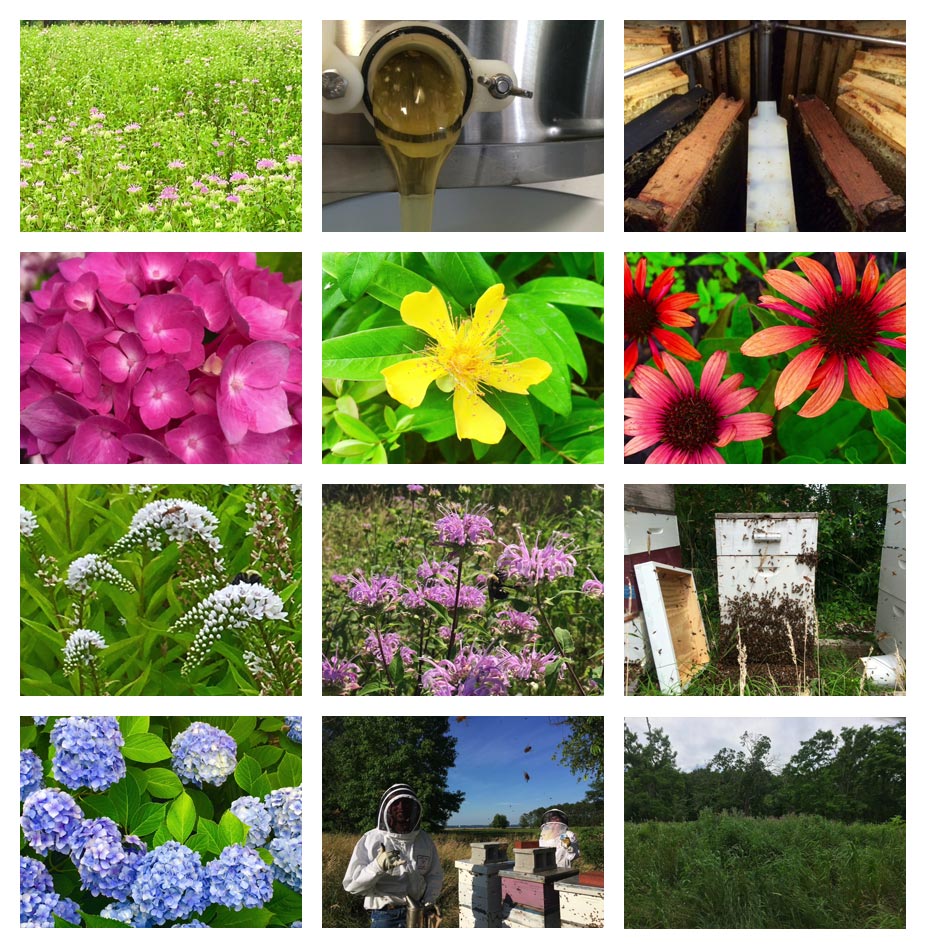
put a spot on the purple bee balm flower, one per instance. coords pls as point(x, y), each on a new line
point(440, 569)
point(470, 672)
point(463, 530)
point(378, 591)
point(414, 599)
point(239, 176)
point(593, 588)
point(528, 665)
point(232, 199)
point(516, 621)
point(168, 194)
point(339, 674)
point(294, 159)
point(414, 488)
point(251, 397)
point(340, 579)
point(266, 163)
point(445, 594)
point(391, 642)
point(536, 564)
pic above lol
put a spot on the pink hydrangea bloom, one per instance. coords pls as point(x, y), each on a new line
point(162, 358)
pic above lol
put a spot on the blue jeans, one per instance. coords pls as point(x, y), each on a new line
point(388, 918)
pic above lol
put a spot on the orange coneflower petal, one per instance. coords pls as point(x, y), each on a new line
point(631, 353)
point(795, 288)
point(829, 388)
point(680, 376)
point(732, 402)
point(675, 318)
point(641, 443)
point(819, 276)
point(893, 293)
point(679, 301)
point(869, 280)
point(628, 279)
point(793, 380)
point(641, 276)
point(899, 343)
point(782, 306)
point(891, 377)
point(709, 456)
point(847, 275)
point(864, 388)
point(657, 354)
point(776, 339)
point(676, 344)
point(652, 385)
point(893, 322)
point(661, 285)
point(751, 425)
point(712, 374)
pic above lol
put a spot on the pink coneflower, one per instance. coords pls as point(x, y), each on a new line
point(688, 424)
point(644, 312)
point(845, 327)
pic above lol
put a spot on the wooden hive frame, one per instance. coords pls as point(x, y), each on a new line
point(674, 624)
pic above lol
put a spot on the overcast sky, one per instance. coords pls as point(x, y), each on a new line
point(697, 740)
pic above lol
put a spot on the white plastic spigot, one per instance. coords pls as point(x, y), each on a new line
point(769, 192)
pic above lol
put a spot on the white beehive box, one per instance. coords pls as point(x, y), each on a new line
point(766, 554)
point(891, 622)
point(673, 621)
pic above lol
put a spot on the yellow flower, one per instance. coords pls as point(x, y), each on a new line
point(463, 359)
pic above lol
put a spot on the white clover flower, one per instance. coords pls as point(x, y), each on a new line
point(81, 649)
point(178, 519)
point(27, 522)
point(233, 607)
point(94, 567)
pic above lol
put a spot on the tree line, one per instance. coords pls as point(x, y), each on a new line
point(857, 775)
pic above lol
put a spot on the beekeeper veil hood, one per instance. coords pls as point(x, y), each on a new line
point(554, 823)
point(399, 811)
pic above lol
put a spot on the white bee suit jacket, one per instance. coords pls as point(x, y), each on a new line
point(420, 876)
point(557, 834)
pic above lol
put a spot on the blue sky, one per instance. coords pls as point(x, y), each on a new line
point(491, 762)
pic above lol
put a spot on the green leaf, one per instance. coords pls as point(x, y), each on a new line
point(393, 283)
point(743, 453)
point(572, 290)
point(464, 276)
point(242, 728)
point(865, 445)
point(231, 830)
point(162, 782)
point(519, 417)
point(363, 356)
point(550, 320)
point(825, 433)
point(290, 771)
point(133, 724)
point(799, 460)
point(246, 773)
point(244, 918)
point(892, 433)
point(161, 835)
point(181, 818)
point(585, 322)
point(350, 448)
point(145, 748)
point(147, 819)
point(564, 638)
point(356, 429)
point(210, 830)
point(97, 922)
point(353, 271)
point(266, 755)
point(728, 344)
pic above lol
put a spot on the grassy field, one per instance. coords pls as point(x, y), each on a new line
point(743, 873)
point(340, 909)
point(161, 127)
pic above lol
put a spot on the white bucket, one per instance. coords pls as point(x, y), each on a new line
point(881, 671)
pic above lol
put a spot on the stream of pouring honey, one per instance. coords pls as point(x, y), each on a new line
point(417, 103)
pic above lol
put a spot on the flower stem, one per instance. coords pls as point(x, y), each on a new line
point(272, 657)
point(566, 665)
point(382, 659)
point(456, 608)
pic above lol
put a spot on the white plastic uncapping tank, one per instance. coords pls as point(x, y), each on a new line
point(769, 195)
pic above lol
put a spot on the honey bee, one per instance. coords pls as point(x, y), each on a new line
point(527, 749)
point(527, 777)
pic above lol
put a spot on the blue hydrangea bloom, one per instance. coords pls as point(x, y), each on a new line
point(170, 883)
point(287, 860)
point(239, 878)
point(106, 864)
point(297, 924)
point(285, 805)
point(192, 924)
point(87, 752)
point(203, 754)
point(294, 724)
point(30, 773)
point(127, 913)
point(69, 911)
point(253, 813)
point(37, 897)
point(40, 720)
point(50, 818)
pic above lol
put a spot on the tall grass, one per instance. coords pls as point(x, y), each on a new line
point(722, 872)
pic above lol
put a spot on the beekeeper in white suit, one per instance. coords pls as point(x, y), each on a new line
point(394, 862)
point(555, 832)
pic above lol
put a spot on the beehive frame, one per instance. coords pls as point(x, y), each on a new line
point(673, 622)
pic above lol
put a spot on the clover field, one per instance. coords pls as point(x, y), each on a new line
point(190, 126)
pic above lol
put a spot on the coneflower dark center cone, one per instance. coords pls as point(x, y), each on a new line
point(640, 318)
point(690, 423)
point(847, 327)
